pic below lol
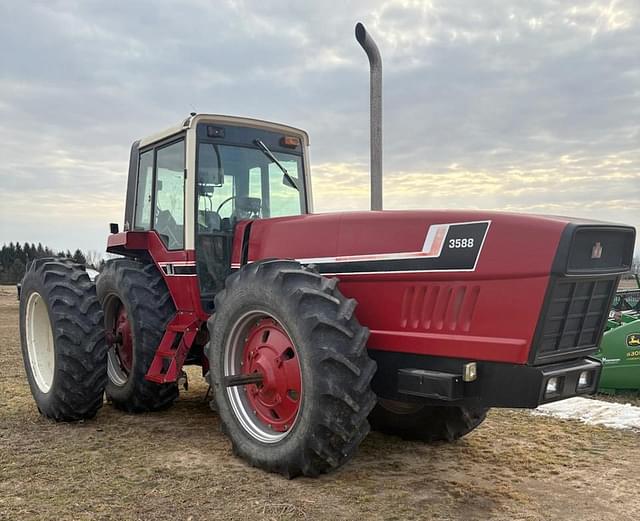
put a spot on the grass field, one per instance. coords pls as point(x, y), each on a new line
point(177, 465)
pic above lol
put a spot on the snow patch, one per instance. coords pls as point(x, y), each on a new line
point(595, 412)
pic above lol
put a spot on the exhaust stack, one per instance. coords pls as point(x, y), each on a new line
point(375, 65)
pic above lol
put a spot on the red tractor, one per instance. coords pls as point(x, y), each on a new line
point(311, 327)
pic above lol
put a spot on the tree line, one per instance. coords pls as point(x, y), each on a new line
point(14, 259)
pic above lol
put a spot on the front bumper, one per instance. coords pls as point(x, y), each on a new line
point(436, 380)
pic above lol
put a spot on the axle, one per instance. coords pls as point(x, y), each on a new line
point(243, 379)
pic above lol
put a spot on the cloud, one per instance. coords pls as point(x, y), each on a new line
point(527, 107)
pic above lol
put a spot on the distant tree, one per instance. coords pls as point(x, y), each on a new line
point(15, 257)
point(79, 257)
point(16, 271)
point(94, 259)
point(19, 253)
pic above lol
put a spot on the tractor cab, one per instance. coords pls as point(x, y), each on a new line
point(193, 183)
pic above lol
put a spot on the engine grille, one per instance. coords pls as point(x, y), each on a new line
point(575, 317)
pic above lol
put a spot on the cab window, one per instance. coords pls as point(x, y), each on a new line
point(169, 195)
point(252, 185)
point(142, 219)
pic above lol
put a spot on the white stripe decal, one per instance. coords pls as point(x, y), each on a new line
point(432, 248)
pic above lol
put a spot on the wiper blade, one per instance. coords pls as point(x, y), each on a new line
point(270, 155)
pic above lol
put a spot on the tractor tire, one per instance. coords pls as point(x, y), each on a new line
point(137, 307)
point(62, 338)
point(419, 422)
point(309, 414)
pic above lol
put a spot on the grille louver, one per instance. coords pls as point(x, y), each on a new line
point(438, 307)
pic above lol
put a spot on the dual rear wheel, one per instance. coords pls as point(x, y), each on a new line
point(62, 338)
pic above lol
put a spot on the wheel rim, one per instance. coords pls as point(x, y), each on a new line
point(120, 341)
point(40, 347)
point(258, 343)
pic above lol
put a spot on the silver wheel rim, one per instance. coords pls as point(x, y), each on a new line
point(232, 365)
point(114, 371)
point(40, 347)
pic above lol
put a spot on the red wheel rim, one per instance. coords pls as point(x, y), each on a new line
point(269, 350)
point(123, 340)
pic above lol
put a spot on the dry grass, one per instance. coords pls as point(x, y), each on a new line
point(176, 465)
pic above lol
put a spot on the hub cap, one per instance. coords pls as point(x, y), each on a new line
point(39, 339)
point(120, 356)
point(259, 344)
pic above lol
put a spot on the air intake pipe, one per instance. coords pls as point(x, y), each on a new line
point(375, 65)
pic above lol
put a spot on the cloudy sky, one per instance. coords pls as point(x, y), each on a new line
point(493, 104)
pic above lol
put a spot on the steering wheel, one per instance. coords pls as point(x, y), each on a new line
point(246, 207)
point(225, 202)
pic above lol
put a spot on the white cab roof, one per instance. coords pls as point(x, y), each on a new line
point(220, 119)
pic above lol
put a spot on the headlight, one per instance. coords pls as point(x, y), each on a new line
point(584, 380)
point(553, 386)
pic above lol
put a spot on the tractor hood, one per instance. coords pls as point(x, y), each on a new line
point(491, 244)
point(459, 284)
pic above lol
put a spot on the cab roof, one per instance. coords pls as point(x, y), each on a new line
point(221, 119)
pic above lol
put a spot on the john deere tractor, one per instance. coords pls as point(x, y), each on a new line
point(312, 328)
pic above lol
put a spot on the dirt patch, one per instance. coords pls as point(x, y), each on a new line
point(177, 465)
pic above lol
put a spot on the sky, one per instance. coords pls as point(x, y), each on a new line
point(489, 104)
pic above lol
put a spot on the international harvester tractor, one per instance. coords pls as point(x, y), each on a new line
point(313, 328)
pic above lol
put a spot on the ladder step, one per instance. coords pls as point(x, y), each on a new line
point(167, 362)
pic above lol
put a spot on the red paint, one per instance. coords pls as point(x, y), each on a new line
point(185, 292)
point(270, 352)
point(487, 314)
point(238, 236)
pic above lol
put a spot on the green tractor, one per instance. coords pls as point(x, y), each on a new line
point(620, 346)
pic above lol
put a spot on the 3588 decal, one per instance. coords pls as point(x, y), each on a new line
point(461, 243)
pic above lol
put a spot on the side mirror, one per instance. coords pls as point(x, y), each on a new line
point(210, 170)
point(208, 179)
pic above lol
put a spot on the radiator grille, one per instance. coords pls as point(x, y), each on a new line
point(575, 317)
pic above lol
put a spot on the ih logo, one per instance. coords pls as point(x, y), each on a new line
point(633, 340)
point(596, 251)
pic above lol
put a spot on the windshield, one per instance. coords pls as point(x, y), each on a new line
point(238, 182)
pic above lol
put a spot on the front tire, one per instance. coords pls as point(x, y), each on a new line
point(309, 414)
point(415, 421)
point(137, 308)
point(62, 340)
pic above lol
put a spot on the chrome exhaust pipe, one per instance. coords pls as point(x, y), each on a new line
point(375, 66)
